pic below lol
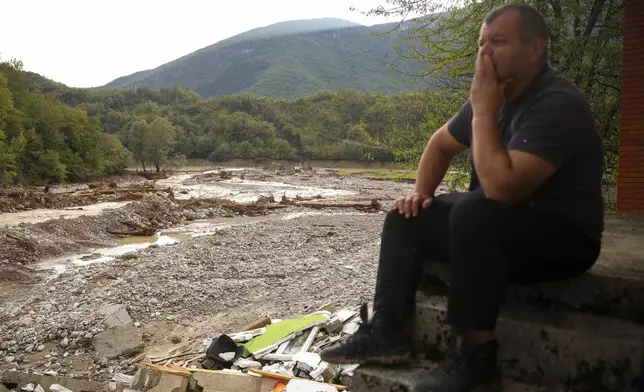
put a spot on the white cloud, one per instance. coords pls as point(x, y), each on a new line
point(86, 43)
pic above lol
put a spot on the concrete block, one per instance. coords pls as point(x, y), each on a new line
point(549, 348)
point(404, 379)
point(614, 287)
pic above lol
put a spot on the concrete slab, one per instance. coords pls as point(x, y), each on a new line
point(579, 351)
point(614, 287)
point(118, 342)
point(399, 379)
point(115, 315)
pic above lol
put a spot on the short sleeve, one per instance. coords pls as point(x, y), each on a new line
point(553, 127)
point(460, 125)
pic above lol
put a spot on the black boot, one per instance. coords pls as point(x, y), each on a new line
point(469, 367)
point(381, 341)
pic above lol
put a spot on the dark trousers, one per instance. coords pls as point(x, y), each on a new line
point(487, 243)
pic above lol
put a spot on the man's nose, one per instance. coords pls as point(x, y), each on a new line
point(486, 49)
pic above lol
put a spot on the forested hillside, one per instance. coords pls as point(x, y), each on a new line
point(82, 133)
point(288, 60)
point(41, 138)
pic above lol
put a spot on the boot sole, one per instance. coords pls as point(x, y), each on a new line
point(384, 360)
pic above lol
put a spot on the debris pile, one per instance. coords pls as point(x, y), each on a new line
point(29, 198)
point(264, 356)
point(282, 350)
point(17, 199)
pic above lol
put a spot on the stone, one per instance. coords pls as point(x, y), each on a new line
point(40, 347)
point(115, 315)
point(64, 342)
point(58, 388)
point(9, 359)
point(120, 341)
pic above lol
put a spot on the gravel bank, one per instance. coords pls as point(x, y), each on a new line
point(207, 285)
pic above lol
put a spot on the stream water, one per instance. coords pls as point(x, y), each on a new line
point(242, 191)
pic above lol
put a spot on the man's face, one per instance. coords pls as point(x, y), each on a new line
point(500, 39)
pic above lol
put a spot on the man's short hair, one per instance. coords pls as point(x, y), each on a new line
point(532, 26)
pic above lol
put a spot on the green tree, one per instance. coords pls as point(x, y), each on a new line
point(137, 141)
point(161, 141)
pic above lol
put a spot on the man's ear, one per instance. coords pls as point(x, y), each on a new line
point(537, 49)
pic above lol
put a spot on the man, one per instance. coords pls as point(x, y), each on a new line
point(534, 211)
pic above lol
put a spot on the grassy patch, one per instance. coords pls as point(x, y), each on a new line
point(382, 174)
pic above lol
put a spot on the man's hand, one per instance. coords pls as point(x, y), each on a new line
point(486, 93)
point(409, 205)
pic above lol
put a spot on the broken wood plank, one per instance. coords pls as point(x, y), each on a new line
point(166, 369)
point(158, 360)
point(259, 323)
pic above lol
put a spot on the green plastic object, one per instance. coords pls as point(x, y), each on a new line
point(282, 331)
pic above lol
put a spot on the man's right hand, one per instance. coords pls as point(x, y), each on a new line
point(410, 205)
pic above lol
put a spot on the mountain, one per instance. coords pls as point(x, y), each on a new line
point(287, 60)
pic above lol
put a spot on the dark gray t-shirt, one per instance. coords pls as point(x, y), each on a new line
point(553, 120)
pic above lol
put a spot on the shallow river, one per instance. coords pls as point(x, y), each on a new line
point(242, 191)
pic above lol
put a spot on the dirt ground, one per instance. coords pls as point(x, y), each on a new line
point(297, 259)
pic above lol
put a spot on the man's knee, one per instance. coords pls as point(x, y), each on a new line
point(396, 221)
point(477, 215)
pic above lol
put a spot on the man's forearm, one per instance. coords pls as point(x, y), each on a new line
point(491, 159)
point(431, 170)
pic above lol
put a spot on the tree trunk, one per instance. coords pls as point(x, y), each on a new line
point(143, 164)
point(156, 164)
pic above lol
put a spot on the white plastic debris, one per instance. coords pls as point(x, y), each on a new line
point(227, 356)
point(285, 368)
point(29, 387)
point(299, 385)
point(247, 363)
point(350, 328)
point(39, 389)
point(348, 370)
point(311, 359)
point(319, 370)
point(246, 335)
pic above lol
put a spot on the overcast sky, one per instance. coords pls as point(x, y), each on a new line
point(85, 43)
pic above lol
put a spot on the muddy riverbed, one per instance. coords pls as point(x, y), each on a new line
point(206, 270)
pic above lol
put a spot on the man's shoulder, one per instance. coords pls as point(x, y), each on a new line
point(562, 91)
